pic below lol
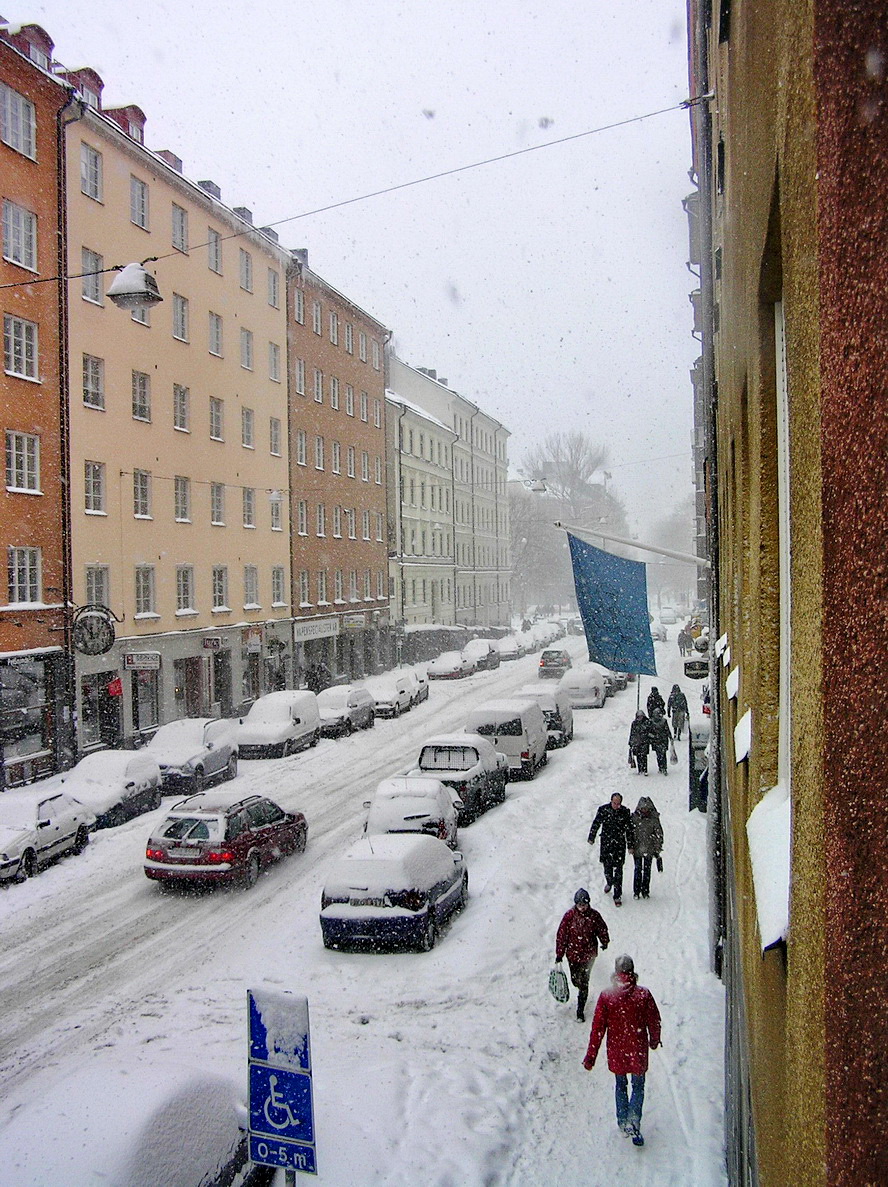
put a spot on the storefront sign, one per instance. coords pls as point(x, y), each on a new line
point(115, 687)
point(316, 628)
point(354, 622)
point(213, 643)
point(252, 640)
point(145, 661)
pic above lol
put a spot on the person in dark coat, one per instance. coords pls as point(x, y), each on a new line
point(579, 933)
point(655, 701)
point(615, 823)
point(640, 742)
point(684, 642)
point(677, 710)
point(647, 844)
point(660, 736)
point(628, 1014)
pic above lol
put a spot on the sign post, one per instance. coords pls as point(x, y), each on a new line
point(282, 1130)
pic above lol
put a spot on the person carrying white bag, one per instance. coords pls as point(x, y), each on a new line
point(580, 932)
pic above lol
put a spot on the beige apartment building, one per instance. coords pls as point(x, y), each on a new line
point(180, 520)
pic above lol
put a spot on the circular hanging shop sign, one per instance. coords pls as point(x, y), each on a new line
point(92, 630)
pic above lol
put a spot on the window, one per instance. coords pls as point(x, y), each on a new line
point(364, 403)
point(377, 475)
point(247, 427)
point(23, 574)
point(181, 408)
point(139, 202)
point(319, 386)
point(180, 228)
point(365, 525)
point(274, 436)
point(321, 520)
point(350, 518)
point(349, 400)
point(302, 517)
point(380, 583)
point(90, 172)
point(337, 522)
point(214, 251)
point(220, 587)
point(300, 376)
point(316, 317)
point(304, 592)
point(18, 123)
point(216, 334)
point(276, 523)
point(351, 461)
point(368, 590)
point(246, 271)
point(145, 602)
point(353, 585)
point(378, 525)
point(375, 353)
point(335, 462)
point(184, 589)
point(277, 584)
point(249, 506)
point(22, 461)
point(299, 306)
point(216, 421)
point(94, 487)
point(217, 503)
point(300, 447)
point(141, 396)
point(251, 587)
point(274, 362)
point(274, 289)
point(19, 236)
point(337, 586)
point(180, 317)
point(349, 338)
point(334, 393)
point(319, 453)
point(98, 585)
point(93, 381)
point(377, 415)
point(182, 499)
point(365, 466)
point(334, 328)
point(91, 265)
point(246, 349)
point(322, 587)
point(362, 347)
point(142, 494)
point(20, 347)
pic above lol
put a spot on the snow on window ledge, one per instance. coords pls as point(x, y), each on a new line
point(768, 831)
point(721, 643)
point(726, 657)
point(743, 737)
point(732, 683)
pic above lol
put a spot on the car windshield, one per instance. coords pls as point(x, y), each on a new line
point(192, 828)
point(447, 758)
point(188, 730)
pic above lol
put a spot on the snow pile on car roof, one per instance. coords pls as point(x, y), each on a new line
point(389, 862)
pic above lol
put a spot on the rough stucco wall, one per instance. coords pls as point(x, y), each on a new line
point(851, 74)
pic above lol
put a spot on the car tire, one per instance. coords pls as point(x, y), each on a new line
point(288, 748)
point(464, 894)
point(27, 866)
point(301, 841)
point(81, 839)
point(430, 935)
point(155, 800)
point(197, 781)
point(348, 729)
point(251, 874)
point(231, 769)
point(396, 712)
point(315, 738)
point(371, 721)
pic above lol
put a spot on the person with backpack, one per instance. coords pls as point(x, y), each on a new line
point(677, 709)
point(580, 932)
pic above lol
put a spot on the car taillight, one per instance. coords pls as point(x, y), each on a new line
point(218, 856)
point(154, 854)
point(410, 900)
point(525, 755)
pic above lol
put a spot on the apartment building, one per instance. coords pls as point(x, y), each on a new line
point(178, 417)
point(479, 457)
point(422, 565)
point(35, 678)
point(337, 492)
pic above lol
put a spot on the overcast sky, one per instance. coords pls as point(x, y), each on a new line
point(552, 288)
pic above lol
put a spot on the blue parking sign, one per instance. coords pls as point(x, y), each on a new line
point(280, 1085)
point(280, 1103)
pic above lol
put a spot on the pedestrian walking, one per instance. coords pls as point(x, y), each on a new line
point(660, 736)
point(615, 823)
point(677, 709)
point(628, 1014)
point(684, 642)
point(655, 701)
point(639, 743)
point(579, 933)
point(647, 845)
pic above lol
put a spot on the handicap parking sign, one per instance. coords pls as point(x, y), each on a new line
point(280, 1104)
point(280, 1083)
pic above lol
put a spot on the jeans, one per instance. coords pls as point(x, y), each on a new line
point(641, 883)
point(629, 1111)
point(613, 875)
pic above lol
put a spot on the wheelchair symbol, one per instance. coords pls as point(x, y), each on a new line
point(277, 1106)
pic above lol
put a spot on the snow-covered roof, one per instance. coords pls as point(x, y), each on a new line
point(396, 398)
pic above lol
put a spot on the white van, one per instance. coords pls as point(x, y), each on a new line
point(557, 711)
point(279, 723)
point(517, 729)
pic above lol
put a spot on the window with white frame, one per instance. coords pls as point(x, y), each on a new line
point(380, 585)
point(379, 525)
point(20, 347)
point(139, 202)
point(142, 494)
point(91, 280)
point(334, 393)
point(300, 447)
point(180, 317)
point(321, 527)
point(93, 381)
point(249, 502)
point(217, 424)
point(337, 522)
point(22, 461)
point(274, 289)
point(335, 461)
point(374, 345)
point(349, 338)
point(362, 346)
point(302, 517)
point(91, 172)
point(337, 586)
point(377, 413)
point(316, 317)
point(365, 525)
point(246, 270)
point(180, 228)
point(274, 436)
point(351, 518)
point(19, 236)
point(319, 453)
point(334, 328)
point(94, 488)
point(217, 504)
point(18, 122)
point(248, 424)
point(274, 362)
point(349, 400)
point(377, 471)
point(141, 390)
point(365, 466)
point(278, 588)
point(353, 585)
point(246, 349)
point(304, 590)
point(145, 599)
point(215, 340)
point(23, 575)
point(322, 587)
point(184, 589)
point(220, 587)
point(276, 514)
point(182, 499)
point(214, 251)
point(299, 306)
point(368, 588)
point(300, 377)
point(364, 406)
point(97, 582)
point(350, 461)
point(251, 587)
point(181, 408)
point(319, 386)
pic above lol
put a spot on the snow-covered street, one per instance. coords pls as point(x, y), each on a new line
point(450, 1068)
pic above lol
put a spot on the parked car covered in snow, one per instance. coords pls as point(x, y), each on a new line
point(344, 708)
point(483, 653)
point(471, 766)
point(508, 647)
point(393, 692)
point(557, 711)
point(414, 804)
point(195, 750)
point(451, 665)
point(422, 683)
point(392, 892)
point(37, 828)
point(279, 724)
point(516, 728)
point(115, 785)
point(585, 685)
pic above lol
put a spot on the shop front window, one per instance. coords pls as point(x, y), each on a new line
point(146, 700)
point(99, 710)
point(25, 718)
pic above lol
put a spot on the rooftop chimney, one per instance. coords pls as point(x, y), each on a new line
point(244, 213)
point(211, 188)
point(270, 232)
point(171, 159)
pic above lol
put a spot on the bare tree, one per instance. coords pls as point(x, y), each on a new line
point(568, 461)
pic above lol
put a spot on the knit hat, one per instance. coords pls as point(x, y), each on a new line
point(624, 964)
point(582, 896)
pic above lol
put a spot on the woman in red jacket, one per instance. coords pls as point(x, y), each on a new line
point(629, 1015)
point(579, 934)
